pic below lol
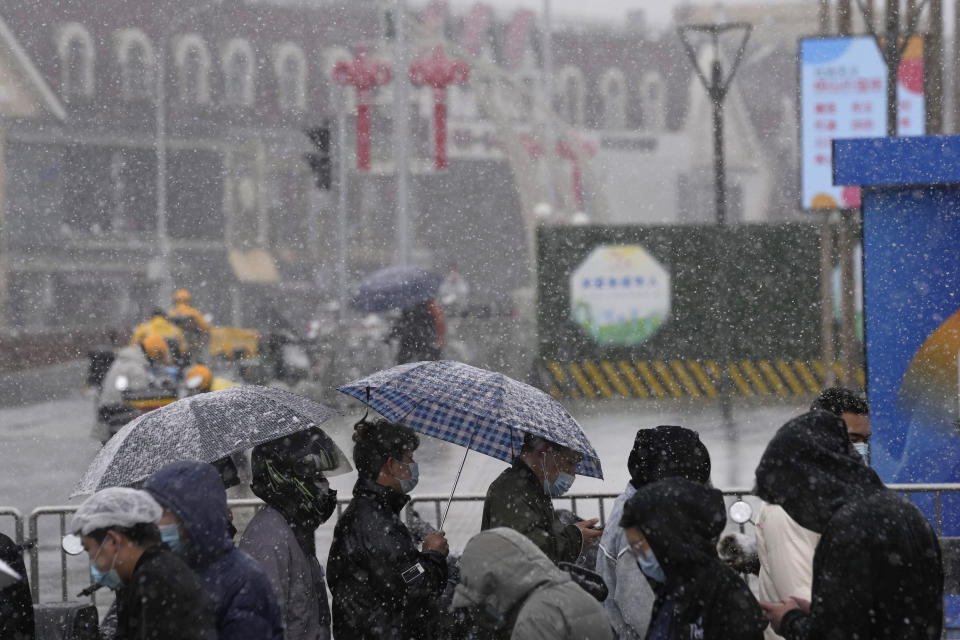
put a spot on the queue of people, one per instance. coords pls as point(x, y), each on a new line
point(874, 562)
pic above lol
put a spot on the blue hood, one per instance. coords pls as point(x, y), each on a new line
point(195, 493)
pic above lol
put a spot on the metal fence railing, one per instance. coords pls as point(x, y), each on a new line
point(48, 525)
point(9, 513)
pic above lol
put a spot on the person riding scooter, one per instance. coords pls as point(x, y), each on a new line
point(138, 381)
point(159, 325)
point(194, 325)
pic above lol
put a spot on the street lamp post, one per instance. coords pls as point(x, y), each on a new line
point(717, 86)
point(160, 146)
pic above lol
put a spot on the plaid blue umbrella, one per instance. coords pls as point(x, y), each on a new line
point(482, 410)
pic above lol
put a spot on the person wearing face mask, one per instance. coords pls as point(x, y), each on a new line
point(194, 526)
point(521, 498)
point(672, 526)
point(382, 585)
point(784, 548)
point(288, 475)
point(877, 569)
point(663, 452)
point(158, 595)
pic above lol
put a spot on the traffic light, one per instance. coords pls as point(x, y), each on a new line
point(319, 159)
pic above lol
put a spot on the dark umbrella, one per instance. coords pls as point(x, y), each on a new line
point(206, 427)
point(395, 288)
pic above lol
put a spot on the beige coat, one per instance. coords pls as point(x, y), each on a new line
point(786, 557)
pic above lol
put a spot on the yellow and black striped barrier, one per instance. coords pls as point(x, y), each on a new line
point(601, 379)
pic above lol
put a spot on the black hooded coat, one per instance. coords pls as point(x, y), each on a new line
point(877, 571)
point(706, 599)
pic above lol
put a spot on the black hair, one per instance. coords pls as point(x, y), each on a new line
point(838, 400)
point(142, 534)
point(376, 441)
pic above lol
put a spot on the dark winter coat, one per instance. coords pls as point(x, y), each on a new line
point(517, 500)
point(244, 602)
point(164, 599)
point(16, 603)
point(416, 330)
point(382, 586)
point(877, 570)
point(702, 598)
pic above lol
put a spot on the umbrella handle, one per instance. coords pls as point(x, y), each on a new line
point(457, 479)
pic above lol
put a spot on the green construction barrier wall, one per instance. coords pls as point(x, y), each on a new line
point(771, 297)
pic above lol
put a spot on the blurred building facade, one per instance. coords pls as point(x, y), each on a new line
point(244, 79)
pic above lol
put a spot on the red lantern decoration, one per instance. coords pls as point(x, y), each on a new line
point(364, 75)
point(439, 72)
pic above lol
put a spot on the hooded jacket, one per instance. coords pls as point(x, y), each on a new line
point(244, 603)
point(663, 452)
point(516, 499)
point(505, 575)
point(702, 598)
point(877, 571)
point(382, 586)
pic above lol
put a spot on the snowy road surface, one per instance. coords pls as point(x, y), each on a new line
point(44, 448)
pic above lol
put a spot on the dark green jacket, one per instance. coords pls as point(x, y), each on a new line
point(517, 500)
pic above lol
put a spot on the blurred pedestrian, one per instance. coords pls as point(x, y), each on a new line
point(288, 475)
point(672, 527)
point(784, 548)
point(16, 603)
point(420, 331)
point(521, 498)
point(877, 570)
point(158, 596)
point(520, 594)
point(663, 452)
point(194, 526)
point(382, 585)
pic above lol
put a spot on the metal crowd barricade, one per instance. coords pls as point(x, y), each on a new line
point(10, 512)
point(590, 503)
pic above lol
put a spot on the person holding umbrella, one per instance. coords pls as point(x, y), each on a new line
point(521, 499)
point(382, 585)
point(288, 474)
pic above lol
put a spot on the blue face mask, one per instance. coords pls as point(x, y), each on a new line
point(650, 566)
point(407, 485)
point(170, 536)
point(559, 486)
point(110, 579)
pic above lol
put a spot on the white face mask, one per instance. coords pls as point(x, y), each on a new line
point(863, 448)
